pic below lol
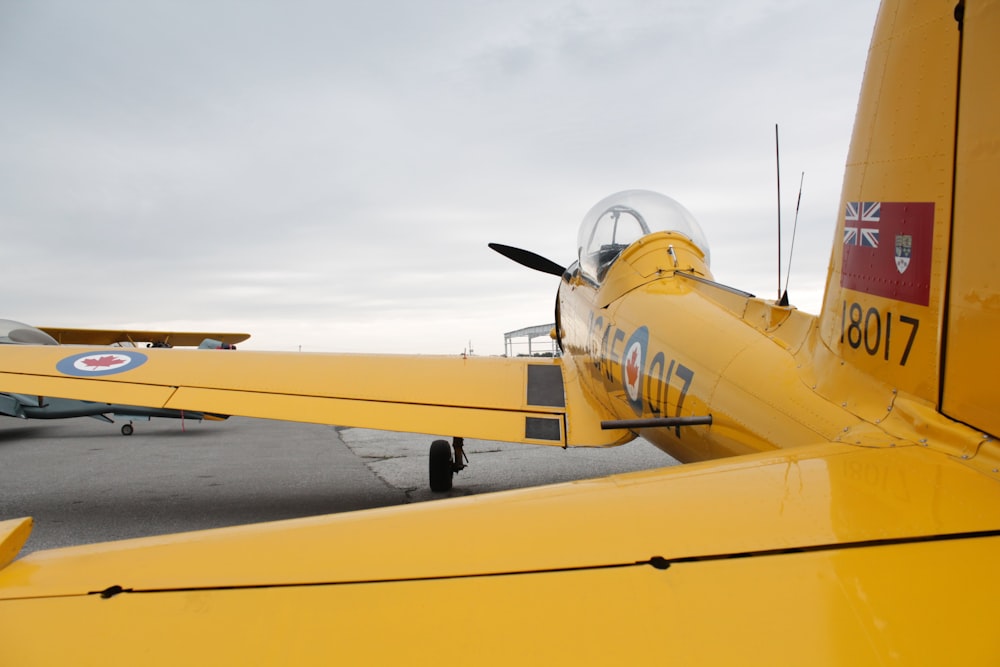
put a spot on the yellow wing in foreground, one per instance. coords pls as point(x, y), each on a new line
point(514, 400)
point(829, 554)
point(111, 336)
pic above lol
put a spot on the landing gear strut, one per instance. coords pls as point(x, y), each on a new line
point(443, 465)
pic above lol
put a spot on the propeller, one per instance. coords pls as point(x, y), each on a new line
point(529, 259)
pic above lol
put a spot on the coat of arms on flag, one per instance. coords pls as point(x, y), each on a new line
point(904, 249)
point(900, 268)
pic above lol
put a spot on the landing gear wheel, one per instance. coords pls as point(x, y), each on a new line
point(127, 429)
point(441, 466)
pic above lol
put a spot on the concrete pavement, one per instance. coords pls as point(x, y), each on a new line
point(84, 482)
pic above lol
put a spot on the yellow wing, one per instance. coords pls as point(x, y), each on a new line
point(514, 400)
point(67, 336)
point(827, 555)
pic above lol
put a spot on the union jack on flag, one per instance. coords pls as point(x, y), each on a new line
point(867, 211)
point(857, 213)
point(869, 238)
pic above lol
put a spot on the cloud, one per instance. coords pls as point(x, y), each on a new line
point(328, 174)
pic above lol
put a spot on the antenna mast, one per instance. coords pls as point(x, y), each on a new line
point(777, 165)
point(795, 226)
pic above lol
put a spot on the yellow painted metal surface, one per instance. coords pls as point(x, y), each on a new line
point(13, 534)
point(764, 611)
point(476, 397)
point(47, 383)
point(971, 392)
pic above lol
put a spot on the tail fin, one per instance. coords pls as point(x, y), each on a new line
point(913, 294)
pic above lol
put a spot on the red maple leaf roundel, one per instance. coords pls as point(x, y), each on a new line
point(632, 371)
point(107, 361)
point(91, 364)
point(632, 367)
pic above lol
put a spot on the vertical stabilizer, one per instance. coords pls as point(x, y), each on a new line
point(912, 295)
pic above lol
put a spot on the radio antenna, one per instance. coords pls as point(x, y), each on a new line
point(777, 165)
point(791, 250)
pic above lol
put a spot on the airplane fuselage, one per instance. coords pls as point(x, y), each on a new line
point(649, 338)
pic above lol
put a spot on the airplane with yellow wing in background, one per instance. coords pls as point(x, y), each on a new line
point(46, 407)
point(842, 504)
point(206, 340)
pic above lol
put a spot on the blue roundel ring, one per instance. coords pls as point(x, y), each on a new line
point(96, 364)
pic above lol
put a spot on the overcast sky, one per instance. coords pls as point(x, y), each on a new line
point(327, 174)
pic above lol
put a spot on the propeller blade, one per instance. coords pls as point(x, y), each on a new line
point(529, 259)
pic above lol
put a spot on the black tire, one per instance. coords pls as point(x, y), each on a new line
point(127, 429)
point(441, 468)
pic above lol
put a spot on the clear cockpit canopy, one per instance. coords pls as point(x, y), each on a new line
point(23, 334)
point(623, 218)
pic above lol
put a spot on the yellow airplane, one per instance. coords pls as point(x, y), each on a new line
point(843, 506)
point(136, 337)
point(47, 407)
point(19, 333)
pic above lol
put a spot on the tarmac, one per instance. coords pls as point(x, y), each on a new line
point(84, 482)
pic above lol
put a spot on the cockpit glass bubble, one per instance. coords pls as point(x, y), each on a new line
point(24, 334)
point(623, 218)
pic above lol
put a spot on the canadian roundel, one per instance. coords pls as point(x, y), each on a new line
point(95, 364)
point(632, 373)
point(633, 363)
